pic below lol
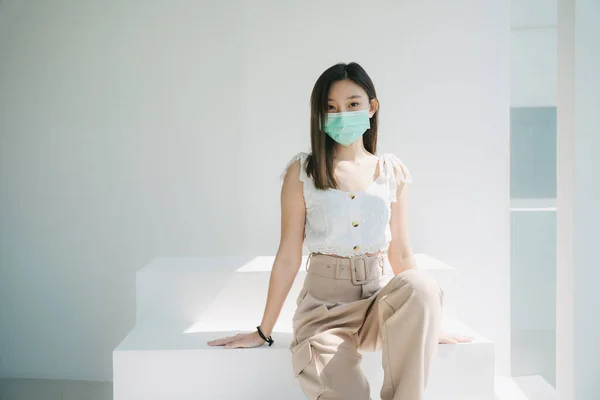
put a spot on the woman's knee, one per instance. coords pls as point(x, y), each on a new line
point(421, 286)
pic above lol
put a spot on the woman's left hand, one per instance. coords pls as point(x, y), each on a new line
point(450, 338)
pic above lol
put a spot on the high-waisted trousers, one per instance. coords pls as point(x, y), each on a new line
point(352, 303)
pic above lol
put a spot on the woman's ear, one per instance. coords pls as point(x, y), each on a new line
point(374, 105)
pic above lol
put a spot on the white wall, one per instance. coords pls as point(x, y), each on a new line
point(131, 130)
point(578, 326)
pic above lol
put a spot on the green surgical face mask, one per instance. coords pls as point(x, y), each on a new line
point(346, 127)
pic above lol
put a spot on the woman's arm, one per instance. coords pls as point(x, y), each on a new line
point(400, 253)
point(289, 255)
point(287, 262)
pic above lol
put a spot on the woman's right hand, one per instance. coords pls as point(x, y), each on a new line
point(241, 340)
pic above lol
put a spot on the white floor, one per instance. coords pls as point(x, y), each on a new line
point(50, 389)
point(534, 353)
point(532, 387)
point(522, 388)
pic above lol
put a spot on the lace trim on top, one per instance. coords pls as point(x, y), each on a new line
point(390, 160)
point(299, 156)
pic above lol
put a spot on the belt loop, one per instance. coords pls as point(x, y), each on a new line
point(337, 267)
point(307, 261)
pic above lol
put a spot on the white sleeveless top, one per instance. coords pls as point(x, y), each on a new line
point(350, 223)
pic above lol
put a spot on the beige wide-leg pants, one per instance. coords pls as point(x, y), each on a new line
point(355, 303)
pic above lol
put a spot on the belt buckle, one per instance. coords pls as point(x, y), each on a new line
point(353, 270)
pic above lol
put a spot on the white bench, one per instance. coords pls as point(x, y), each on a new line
point(184, 302)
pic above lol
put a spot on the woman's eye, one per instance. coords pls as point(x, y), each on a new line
point(354, 103)
point(330, 107)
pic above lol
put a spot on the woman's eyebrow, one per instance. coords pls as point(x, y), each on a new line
point(354, 96)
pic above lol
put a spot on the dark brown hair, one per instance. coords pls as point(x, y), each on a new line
point(319, 164)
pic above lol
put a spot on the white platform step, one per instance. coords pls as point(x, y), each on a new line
point(205, 288)
point(172, 361)
point(184, 302)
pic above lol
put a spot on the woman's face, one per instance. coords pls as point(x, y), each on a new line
point(347, 96)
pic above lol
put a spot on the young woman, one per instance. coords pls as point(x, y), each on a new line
point(362, 289)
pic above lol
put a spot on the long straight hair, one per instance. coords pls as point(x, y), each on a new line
point(319, 163)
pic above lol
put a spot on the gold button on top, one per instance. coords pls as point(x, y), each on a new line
point(356, 248)
point(351, 195)
point(354, 224)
